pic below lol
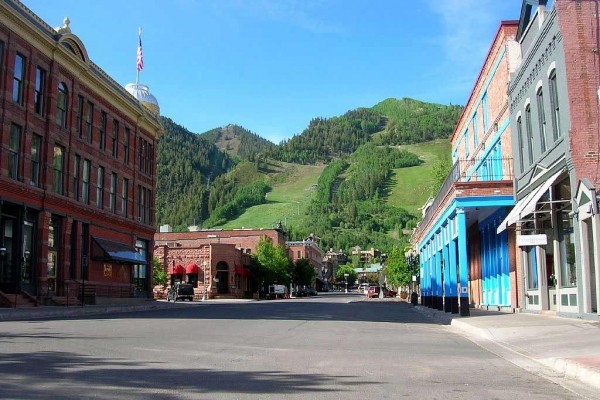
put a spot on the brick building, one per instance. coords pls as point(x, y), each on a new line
point(214, 261)
point(309, 250)
point(76, 169)
point(554, 103)
point(462, 260)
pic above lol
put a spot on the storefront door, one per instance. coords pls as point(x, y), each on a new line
point(8, 255)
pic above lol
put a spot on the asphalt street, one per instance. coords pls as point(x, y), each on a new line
point(333, 346)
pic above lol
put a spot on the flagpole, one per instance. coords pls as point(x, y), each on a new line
point(137, 76)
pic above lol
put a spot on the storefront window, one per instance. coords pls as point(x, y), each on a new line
point(53, 252)
point(568, 273)
point(140, 275)
point(532, 270)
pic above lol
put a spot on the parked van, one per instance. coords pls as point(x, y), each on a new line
point(276, 291)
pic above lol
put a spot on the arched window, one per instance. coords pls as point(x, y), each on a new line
point(554, 104)
point(529, 133)
point(521, 142)
point(542, 118)
point(61, 105)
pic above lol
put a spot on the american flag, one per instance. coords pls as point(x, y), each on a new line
point(140, 57)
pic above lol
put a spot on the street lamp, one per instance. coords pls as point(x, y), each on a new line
point(346, 281)
point(204, 280)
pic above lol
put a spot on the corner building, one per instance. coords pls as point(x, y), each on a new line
point(463, 262)
point(554, 102)
point(77, 170)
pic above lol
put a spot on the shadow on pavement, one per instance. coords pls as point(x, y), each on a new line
point(76, 376)
point(313, 310)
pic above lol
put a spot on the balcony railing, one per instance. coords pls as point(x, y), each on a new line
point(470, 170)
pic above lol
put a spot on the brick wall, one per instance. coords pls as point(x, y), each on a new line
point(578, 21)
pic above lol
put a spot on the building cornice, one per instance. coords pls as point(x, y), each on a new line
point(49, 42)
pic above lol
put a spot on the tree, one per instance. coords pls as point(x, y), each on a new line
point(303, 273)
point(159, 276)
point(439, 172)
point(397, 270)
point(346, 269)
point(274, 266)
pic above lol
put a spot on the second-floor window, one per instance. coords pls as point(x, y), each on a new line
point(61, 105)
point(76, 167)
point(475, 132)
point(40, 91)
point(113, 192)
point(100, 187)
point(115, 139)
point(103, 119)
point(521, 143)
point(554, 104)
point(36, 148)
point(529, 133)
point(541, 118)
point(89, 122)
point(126, 146)
point(14, 151)
point(484, 111)
point(124, 195)
point(58, 166)
point(18, 79)
point(85, 182)
point(79, 126)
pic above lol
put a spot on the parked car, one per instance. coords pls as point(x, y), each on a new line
point(312, 292)
point(374, 292)
point(301, 292)
point(181, 291)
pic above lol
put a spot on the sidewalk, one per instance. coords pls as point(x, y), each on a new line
point(562, 348)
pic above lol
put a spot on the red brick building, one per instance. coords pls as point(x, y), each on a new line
point(309, 250)
point(214, 261)
point(77, 171)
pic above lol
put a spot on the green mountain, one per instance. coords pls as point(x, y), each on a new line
point(185, 165)
point(391, 122)
point(238, 142)
point(326, 139)
point(356, 192)
point(412, 121)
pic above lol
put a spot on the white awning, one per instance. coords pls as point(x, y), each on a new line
point(526, 205)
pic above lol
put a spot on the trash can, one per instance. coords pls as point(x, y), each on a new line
point(414, 298)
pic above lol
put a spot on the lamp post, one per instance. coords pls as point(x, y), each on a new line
point(412, 263)
point(346, 281)
point(204, 280)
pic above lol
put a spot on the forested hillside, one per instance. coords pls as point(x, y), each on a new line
point(185, 165)
point(238, 142)
point(325, 139)
point(347, 207)
point(412, 121)
point(391, 122)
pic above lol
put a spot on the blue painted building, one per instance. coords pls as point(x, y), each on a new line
point(463, 261)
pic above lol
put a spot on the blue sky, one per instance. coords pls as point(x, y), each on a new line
point(272, 65)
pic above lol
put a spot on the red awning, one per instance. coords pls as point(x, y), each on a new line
point(176, 270)
point(191, 269)
point(241, 271)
